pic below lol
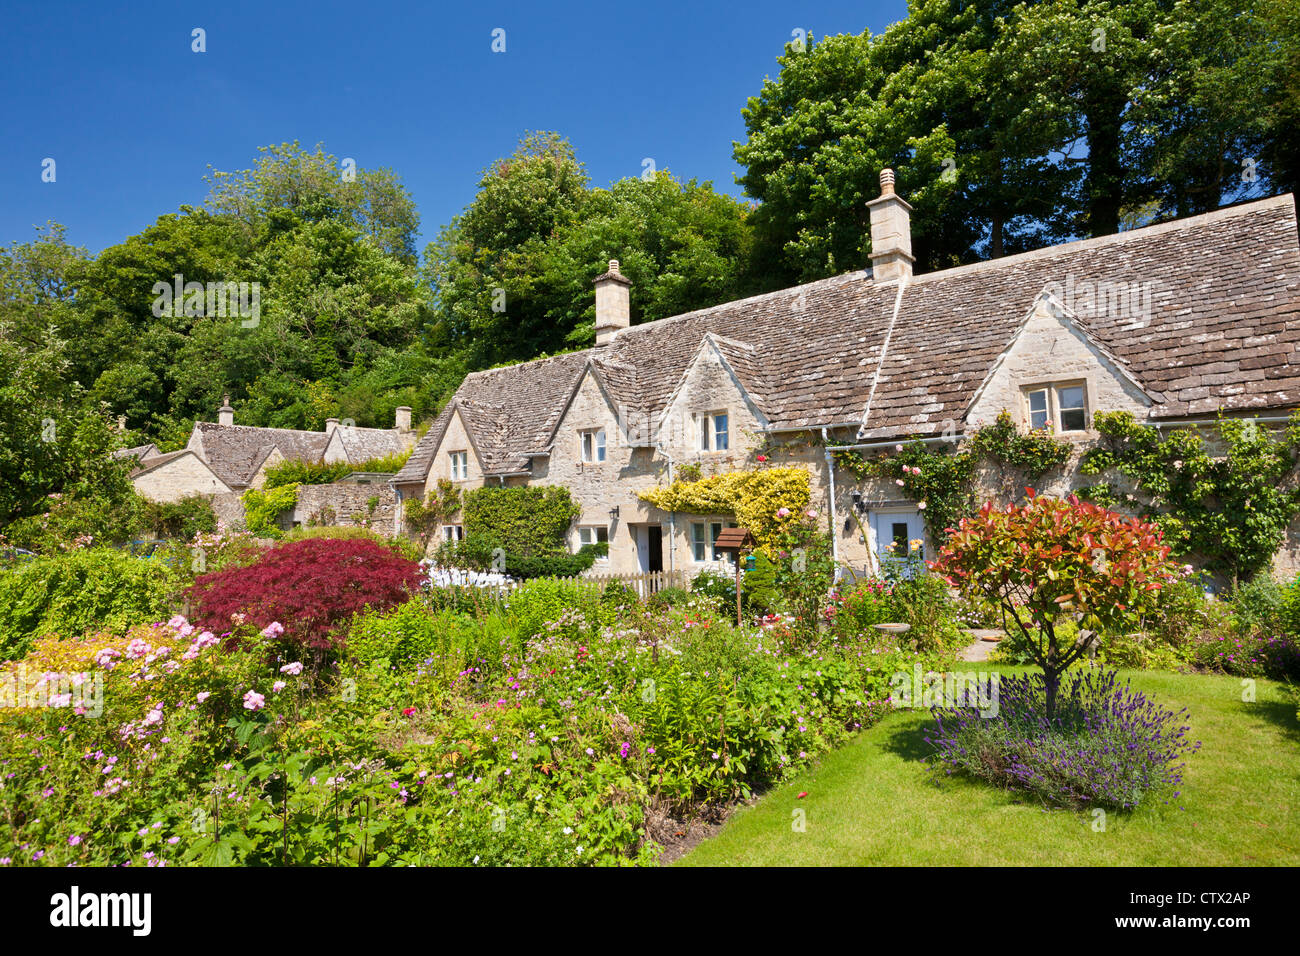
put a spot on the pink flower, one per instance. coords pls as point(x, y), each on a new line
point(811, 513)
point(293, 670)
point(278, 686)
point(920, 505)
point(274, 629)
point(203, 695)
point(74, 839)
point(898, 448)
point(782, 512)
point(177, 622)
point(408, 711)
point(899, 482)
point(762, 458)
point(254, 701)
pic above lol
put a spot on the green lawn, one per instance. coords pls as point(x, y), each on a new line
point(873, 802)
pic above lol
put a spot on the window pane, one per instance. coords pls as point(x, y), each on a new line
point(602, 534)
point(698, 541)
point(600, 445)
point(703, 423)
point(1071, 397)
point(1073, 420)
point(1038, 409)
point(720, 433)
point(899, 534)
point(584, 536)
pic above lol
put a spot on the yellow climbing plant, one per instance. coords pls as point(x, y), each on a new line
point(753, 498)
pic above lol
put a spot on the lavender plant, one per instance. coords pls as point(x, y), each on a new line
point(1106, 745)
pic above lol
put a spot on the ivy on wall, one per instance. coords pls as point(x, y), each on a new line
point(525, 520)
point(753, 498)
point(941, 481)
point(263, 507)
point(1231, 505)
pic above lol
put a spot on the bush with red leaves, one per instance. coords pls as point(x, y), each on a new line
point(310, 587)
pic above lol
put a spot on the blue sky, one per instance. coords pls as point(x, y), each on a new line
point(132, 117)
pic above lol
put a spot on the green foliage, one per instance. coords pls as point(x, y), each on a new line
point(754, 498)
point(1053, 562)
point(758, 586)
point(426, 517)
point(290, 472)
point(525, 520)
point(412, 633)
point(1033, 454)
point(533, 604)
point(942, 479)
point(973, 106)
point(1232, 505)
point(179, 519)
point(67, 594)
point(263, 507)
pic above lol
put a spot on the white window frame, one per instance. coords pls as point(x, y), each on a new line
point(453, 532)
point(1053, 390)
point(710, 529)
point(711, 437)
point(592, 446)
point(459, 461)
point(591, 534)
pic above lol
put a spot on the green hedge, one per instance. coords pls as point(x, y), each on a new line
point(67, 594)
point(524, 520)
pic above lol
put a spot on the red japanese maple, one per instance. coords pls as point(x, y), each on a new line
point(310, 587)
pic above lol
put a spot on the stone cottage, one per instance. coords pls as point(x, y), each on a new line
point(1173, 322)
point(222, 460)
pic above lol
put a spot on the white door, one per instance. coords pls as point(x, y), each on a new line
point(899, 527)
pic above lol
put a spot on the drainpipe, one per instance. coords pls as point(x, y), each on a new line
point(835, 541)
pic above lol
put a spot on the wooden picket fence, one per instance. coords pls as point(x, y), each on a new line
point(644, 583)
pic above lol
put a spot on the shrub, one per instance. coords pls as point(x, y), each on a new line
point(403, 547)
point(525, 520)
point(767, 501)
point(309, 587)
point(1051, 561)
point(542, 600)
point(263, 507)
point(1255, 653)
point(758, 586)
point(292, 472)
point(720, 587)
point(1258, 605)
point(675, 597)
point(1103, 745)
point(66, 594)
point(864, 605)
point(182, 519)
point(412, 633)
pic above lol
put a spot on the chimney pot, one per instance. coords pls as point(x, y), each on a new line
point(225, 414)
point(402, 418)
point(891, 233)
point(613, 304)
point(330, 425)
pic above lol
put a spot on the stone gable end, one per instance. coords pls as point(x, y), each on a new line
point(1052, 349)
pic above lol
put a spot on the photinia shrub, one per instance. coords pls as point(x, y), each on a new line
point(310, 587)
point(1051, 561)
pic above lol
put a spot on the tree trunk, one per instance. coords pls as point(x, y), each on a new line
point(1103, 110)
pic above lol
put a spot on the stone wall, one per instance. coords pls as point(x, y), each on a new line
point(182, 477)
point(336, 504)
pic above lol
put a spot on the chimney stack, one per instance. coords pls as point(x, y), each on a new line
point(225, 414)
point(891, 233)
point(613, 309)
point(403, 418)
point(330, 425)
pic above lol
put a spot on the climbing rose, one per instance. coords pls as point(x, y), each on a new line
point(782, 512)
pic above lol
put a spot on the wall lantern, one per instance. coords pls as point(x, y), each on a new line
point(613, 512)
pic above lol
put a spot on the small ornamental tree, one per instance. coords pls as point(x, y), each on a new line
point(309, 587)
point(1051, 560)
